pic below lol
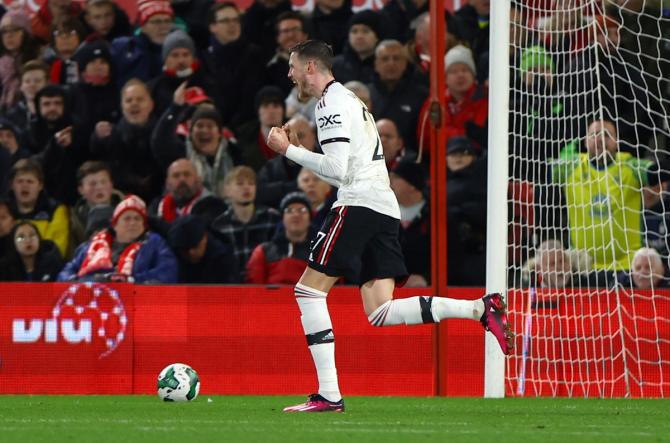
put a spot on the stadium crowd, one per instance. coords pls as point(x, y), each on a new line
point(136, 152)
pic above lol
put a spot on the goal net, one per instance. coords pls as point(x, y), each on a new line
point(589, 202)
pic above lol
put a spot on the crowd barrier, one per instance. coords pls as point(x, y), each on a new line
point(114, 339)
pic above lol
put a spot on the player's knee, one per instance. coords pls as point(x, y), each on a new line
point(379, 313)
point(306, 293)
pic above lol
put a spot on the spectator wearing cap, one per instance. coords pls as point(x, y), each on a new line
point(259, 24)
point(212, 153)
point(184, 195)
point(357, 60)
point(98, 198)
point(29, 201)
point(106, 20)
point(50, 12)
point(282, 260)
point(329, 22)
point(17, 46)
point(397, 90)
point(270, 111)
point(126, 145)
point(320, 194)
point(67, 35)
point(466, 213)
point(127, 252)
point(279, 176)
point(203, 259)
point(467, 103)
point(408, 181)
point(180, 65)
point(140, 55)
point(33, 77)
point(10, 151)
point(244, 225)
point(234, 62)
point(290, 30)
point(96, 95)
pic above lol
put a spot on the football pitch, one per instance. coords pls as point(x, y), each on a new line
point(125, 419)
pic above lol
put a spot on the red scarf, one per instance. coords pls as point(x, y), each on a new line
point(99, 255)
point(169, 211)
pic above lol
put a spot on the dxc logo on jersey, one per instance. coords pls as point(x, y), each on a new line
point(329, 120)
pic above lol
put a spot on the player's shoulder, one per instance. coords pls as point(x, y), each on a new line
point(335, 96)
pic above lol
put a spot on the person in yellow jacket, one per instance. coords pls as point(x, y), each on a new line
point(602, 189)
point(28, 201)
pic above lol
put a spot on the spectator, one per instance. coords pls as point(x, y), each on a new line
point(66, 37)
point(400, 13)
point(646, 272)
point(297, 105)
point(52, 109)
point(418, 48)
point(357, 61)
point(329, 22)
point(244, 225)
point(282, 260)
point(470, 25)
point(94, 208)
point(31, 259)
point(361, 91)
point(397, 92)
point(408, 181)
point(28, 201)
point(105, 19)
point(269, 103)
point(97, 98)
point(127, 252)
point(320, 194)
point(17, 46)
point(192, 13)
point(184, 195)
point(140, 56)
point(259, 24)
point(235, 62)
point(556, 267)
point(467, 103)
point(290, 31)
point(202, 258)
point(466, 213)
point(610, 183)
point(278, 177)
point(179, 65)
point(392, 143)
point(126, 145)
point(50, 12)
point(10, 139)
point(34, 76)
point(7, 222)
point(211, 152)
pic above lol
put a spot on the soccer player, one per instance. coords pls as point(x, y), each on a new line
point(359, 238)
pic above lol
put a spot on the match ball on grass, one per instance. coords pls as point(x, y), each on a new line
point(178, 382)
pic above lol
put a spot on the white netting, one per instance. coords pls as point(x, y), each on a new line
point(589, 198)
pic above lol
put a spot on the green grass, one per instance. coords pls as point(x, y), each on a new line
point(375, 419)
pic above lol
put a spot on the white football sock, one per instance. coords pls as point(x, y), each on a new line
point(418, 310)
point(320, 339)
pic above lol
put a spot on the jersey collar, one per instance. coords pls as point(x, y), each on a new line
point(327, 86)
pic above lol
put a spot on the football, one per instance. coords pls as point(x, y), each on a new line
point(178, 382)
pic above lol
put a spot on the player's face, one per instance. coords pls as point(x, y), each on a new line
point(100, 18)
point(31, 82)
point(297, 73)
point(296, 218)
point(206, 136)
point(97, 188)
point(129, 226)
point(26, 189)
point(26, 240)
point(601, 138)
point(137, 105)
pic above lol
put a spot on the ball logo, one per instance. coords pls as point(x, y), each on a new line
point(88, 313)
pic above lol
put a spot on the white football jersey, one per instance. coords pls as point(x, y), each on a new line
point(341, 120)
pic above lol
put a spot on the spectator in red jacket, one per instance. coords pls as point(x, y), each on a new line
point(467, 103)
point(282, 260)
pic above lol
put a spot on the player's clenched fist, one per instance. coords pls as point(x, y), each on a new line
point(278, 140)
